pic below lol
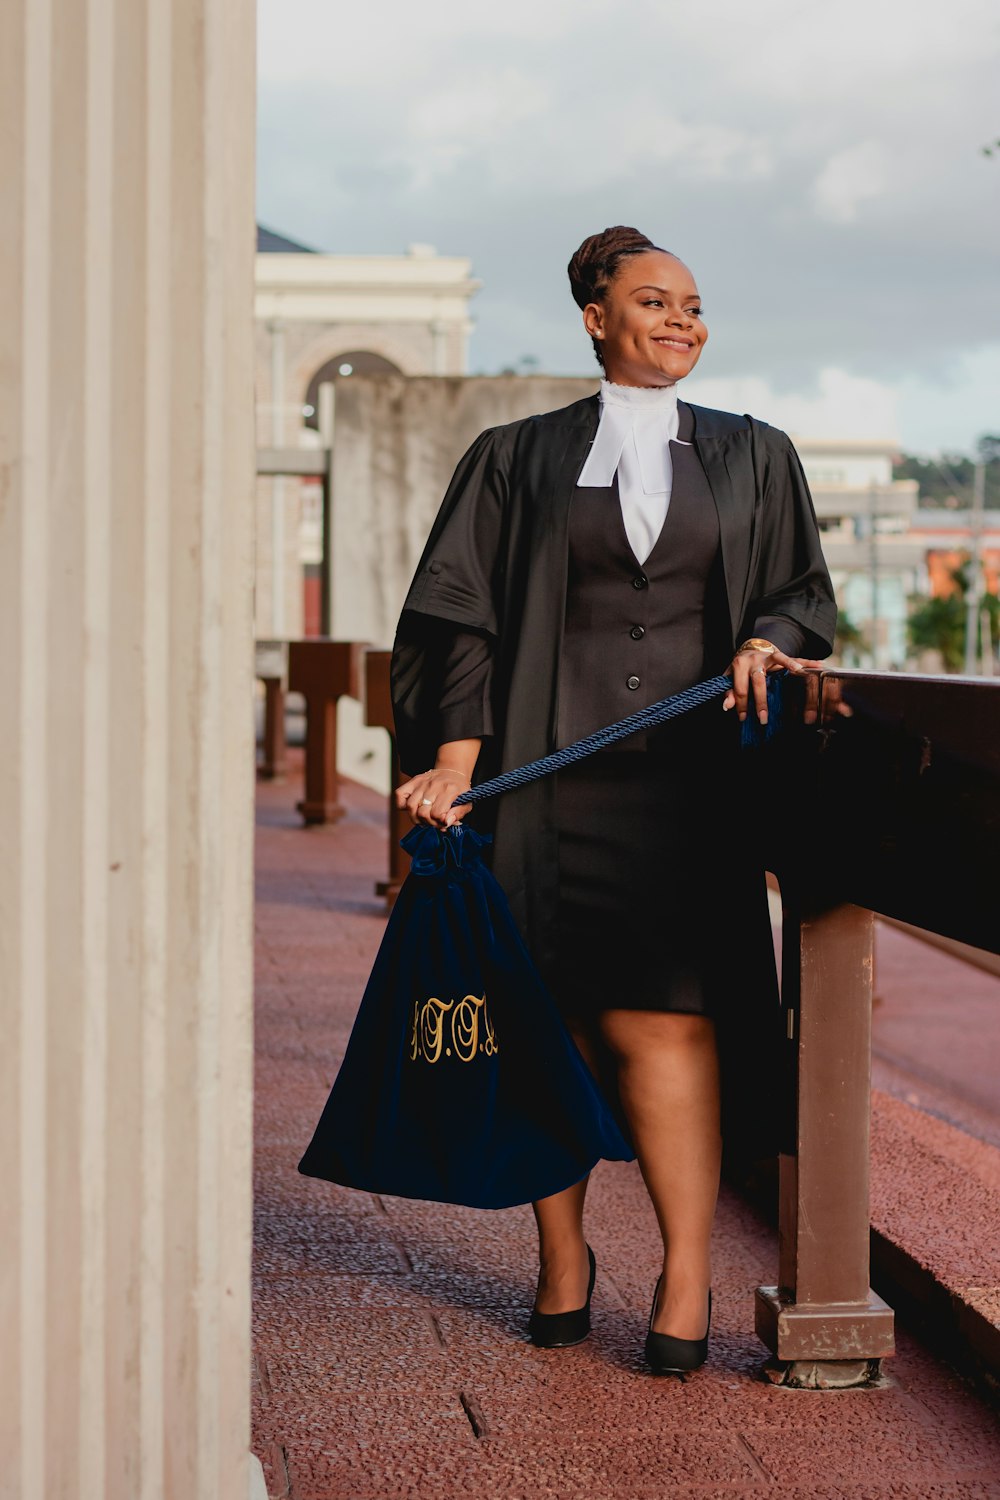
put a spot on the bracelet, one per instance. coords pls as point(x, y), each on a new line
point(756, 643)
point(451, 769)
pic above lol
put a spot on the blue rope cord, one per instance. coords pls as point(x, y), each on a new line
point(643, 718)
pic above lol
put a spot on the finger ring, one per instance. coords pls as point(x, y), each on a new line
point(426, 801)
point(758, 672)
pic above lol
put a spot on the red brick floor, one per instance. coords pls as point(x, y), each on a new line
point(389, 1350)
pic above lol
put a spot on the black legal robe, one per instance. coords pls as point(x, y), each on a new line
point(496, 562)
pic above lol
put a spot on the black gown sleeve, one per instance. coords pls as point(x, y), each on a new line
point(452, 613)
point(781, 632)
point(464, 705)
point(794, 604)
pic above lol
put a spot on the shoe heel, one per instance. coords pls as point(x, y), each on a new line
point(667, 1355)
point(561, 1330)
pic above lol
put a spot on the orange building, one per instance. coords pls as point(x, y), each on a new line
point(942, 563)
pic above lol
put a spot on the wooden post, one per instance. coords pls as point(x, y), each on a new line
point(271, 668)
point(823, 1321)
point(323, 672)
point(378, 714)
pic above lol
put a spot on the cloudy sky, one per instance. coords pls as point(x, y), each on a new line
point(817, 163)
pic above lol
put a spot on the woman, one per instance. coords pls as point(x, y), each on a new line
point(584, 563)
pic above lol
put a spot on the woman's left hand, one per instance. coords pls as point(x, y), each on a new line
point(749, 670)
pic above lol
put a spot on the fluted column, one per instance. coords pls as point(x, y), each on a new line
point(126, 755)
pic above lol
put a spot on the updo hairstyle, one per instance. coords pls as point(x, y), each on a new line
point(596, 264)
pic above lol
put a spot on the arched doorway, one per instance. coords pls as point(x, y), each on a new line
point(351, 362)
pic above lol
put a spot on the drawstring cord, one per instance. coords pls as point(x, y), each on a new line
point(752, 733)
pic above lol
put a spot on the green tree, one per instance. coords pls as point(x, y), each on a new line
point(938, 624)
point(848, 636)
point(947, 481)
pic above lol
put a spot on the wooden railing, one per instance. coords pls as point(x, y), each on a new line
point(888, 796)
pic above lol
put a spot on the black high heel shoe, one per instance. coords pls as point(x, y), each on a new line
point(668, 1355)
point(560, 1330)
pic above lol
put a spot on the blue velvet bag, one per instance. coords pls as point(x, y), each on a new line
point(461, 1083)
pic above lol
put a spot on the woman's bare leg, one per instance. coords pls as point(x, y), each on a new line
point(564, 1268)
point(668, 1080)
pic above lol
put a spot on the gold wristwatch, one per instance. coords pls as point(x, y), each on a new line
point(756, 643)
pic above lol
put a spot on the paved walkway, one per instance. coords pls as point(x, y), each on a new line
point(390, 1358)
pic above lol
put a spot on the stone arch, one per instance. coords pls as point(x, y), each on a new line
point(339, 340)
point(351, 361)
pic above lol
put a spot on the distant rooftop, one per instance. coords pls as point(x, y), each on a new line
point(278, 244)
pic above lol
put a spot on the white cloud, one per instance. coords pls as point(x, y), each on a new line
point(848, 179)
point(818, 166)
point(954, 408)
point(948, 412)
point(394, 39)
point(453, 124)
point(841, 405)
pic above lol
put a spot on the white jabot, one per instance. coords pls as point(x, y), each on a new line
point(633, 439)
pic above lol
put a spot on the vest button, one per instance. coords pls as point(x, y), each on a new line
point(637, 632)
point(640, 581)
point(632, 683)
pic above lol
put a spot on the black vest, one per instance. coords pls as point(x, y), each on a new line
point(635, 633)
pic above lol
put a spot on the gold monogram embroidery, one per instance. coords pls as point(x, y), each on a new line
point(432, 1026)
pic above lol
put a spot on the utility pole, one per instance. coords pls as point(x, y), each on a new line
point(973, 590)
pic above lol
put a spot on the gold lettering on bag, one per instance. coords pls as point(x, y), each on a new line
point(431, 1037)
point(467, 1025)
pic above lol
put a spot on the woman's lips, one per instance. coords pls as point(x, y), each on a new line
point(674, 343)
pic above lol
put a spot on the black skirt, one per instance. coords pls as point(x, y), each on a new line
point(662, 903)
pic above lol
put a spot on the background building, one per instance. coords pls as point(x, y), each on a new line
point(885, 550)
point(320, 316)
point(866, 518)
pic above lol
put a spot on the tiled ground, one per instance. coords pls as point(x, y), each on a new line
point(390, 1357)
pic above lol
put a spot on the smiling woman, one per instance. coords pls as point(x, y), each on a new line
point(586, 563)
point(643, 301)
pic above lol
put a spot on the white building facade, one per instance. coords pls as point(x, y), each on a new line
point(320, 316)
point(866, 519)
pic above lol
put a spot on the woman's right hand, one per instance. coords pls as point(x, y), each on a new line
point(428, 797)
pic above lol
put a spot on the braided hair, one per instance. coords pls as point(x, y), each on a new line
point(597, 262)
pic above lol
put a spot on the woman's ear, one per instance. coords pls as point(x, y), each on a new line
point(593, 320)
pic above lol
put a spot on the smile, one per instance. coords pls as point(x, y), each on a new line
point(673, 343)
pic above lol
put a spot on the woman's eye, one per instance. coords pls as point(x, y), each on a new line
point(695, 312)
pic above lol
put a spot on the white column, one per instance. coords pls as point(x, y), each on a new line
point(126, 757)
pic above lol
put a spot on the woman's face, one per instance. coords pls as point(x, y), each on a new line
point(649, 325)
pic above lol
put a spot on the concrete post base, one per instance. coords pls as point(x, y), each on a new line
point(831, 1332)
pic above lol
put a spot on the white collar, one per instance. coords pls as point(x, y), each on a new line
point(643, 398)
point(646, 415)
